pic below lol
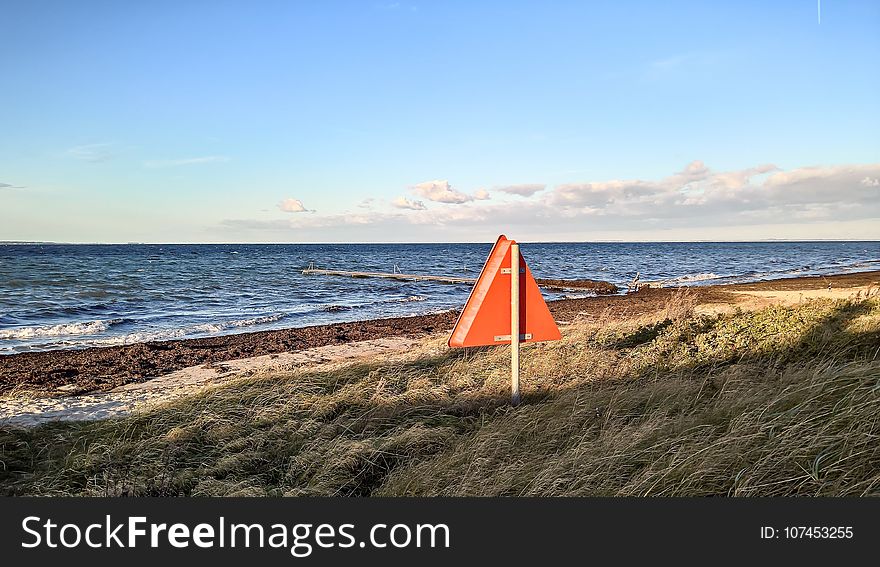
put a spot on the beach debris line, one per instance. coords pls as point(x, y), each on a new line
point(505, 306)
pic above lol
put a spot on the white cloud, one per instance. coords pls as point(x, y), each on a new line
point(185, 161)
point(481, 195)
point(404, 203)
point(292, 206)
point(695, 170)
point(523, 190)
point(870, 182)
point(440, 191)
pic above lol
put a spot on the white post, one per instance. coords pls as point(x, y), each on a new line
point(514, 323)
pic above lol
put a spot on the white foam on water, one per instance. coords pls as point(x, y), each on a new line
point(181, 332)
point(62, 329)
point(411, 298)
point(579, 295)
point(222, 326)
point(694, 278)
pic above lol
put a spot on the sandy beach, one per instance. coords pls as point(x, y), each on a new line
point(63, 373)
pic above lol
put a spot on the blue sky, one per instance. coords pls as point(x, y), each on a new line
point(449, 121)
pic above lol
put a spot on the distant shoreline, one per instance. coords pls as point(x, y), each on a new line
point(104, 368)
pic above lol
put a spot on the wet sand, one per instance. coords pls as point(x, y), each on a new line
point(67, 372)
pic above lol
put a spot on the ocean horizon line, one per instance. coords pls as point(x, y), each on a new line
point(403, 243)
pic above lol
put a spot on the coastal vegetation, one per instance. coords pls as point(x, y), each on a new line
point(780, 401)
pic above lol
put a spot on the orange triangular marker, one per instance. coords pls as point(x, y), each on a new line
point(485, 319)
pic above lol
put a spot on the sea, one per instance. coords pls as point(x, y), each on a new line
point(63, 296)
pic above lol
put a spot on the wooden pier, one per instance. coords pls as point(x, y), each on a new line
point(392, 276)
point(601, 288)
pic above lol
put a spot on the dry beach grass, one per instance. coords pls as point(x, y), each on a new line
point(778, 401)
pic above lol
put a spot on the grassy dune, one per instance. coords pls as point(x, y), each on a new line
point(783, 401)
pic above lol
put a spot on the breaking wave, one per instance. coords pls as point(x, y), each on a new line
point(177, 333)
point(217, 327)
point(62, 329)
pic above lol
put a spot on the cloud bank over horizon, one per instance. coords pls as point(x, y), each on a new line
point(693, 198)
